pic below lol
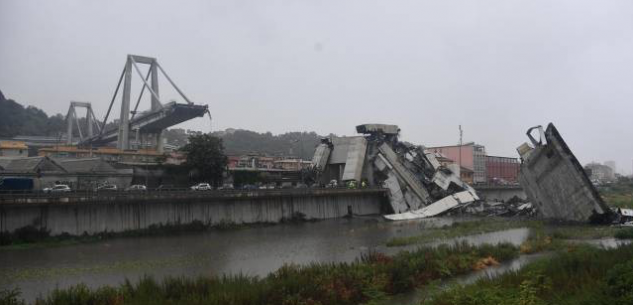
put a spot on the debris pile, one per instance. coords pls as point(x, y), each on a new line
point(418, 185)
point(511, 208)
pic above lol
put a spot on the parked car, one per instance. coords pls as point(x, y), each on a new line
point(137, 188)
point(226, 186)
point(59, 188)
point(249, 187)
point(202, 187)
point(333, 183)
point(107, 188)
point(165, 187)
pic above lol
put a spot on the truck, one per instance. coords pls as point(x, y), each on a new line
point(15, 184)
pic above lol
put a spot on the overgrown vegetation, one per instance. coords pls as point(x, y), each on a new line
point(618, 194)
point(16, 119)
point(625, 233)
point(10, 297)
point(242, 142)
point(206, 158)
point(581, 275)
point(372, 277)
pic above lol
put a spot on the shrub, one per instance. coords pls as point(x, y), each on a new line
point(10, 297)
point(626, 233)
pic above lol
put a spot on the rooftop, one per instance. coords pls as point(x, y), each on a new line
point(13, 145)
point(100, 150)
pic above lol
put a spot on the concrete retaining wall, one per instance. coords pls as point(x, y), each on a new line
point(122, 215)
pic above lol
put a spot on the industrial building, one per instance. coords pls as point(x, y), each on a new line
point(79, 174)
point(470, 156)
point(502, 170)
point(13, 149)
point(110, 154)
point(599, 173)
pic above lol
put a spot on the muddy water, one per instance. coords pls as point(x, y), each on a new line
point(252, 251)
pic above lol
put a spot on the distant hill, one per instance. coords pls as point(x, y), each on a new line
point(241, 142)
point(290, 143)
point(15, 120)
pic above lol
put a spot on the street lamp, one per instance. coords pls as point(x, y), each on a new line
point(300, 159)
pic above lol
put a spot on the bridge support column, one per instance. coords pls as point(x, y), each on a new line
point(69, 126)
point(124, 125)
point(156, 105)
point(160, 142)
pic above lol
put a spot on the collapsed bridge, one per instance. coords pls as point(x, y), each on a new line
point(418, 185)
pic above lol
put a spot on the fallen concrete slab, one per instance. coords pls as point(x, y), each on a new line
point(555, 182)
point(436, 208)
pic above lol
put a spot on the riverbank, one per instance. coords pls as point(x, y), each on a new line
point(256, 254)
point(487, 225)
point(32, 237)
point(582, 275)
point(372, 277)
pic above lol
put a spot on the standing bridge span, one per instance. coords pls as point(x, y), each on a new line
point(146, 127)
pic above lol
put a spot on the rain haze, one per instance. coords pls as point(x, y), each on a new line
point(495, 67)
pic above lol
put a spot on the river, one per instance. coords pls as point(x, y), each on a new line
point(252, 251)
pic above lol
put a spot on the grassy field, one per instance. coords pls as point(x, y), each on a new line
point(619, 194)
point(580, 275)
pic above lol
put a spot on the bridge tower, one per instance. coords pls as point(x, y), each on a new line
point(147, 126)
point(71, 118)
point(123, 142)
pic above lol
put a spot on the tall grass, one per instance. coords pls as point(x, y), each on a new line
point(619, 194)
point(372, 277)
point(582, 275)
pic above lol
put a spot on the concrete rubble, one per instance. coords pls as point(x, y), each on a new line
point(511, 208)
point(418, 185)
point(555, 182)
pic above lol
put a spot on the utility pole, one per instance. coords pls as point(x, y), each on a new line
point(461, 133)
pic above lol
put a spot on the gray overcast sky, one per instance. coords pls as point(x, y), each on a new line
point(496, 67)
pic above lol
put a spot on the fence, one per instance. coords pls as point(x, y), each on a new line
point(24, 197)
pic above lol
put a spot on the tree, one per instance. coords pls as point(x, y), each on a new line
point(16, 119)
point(206, 158)
point(300, 144)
